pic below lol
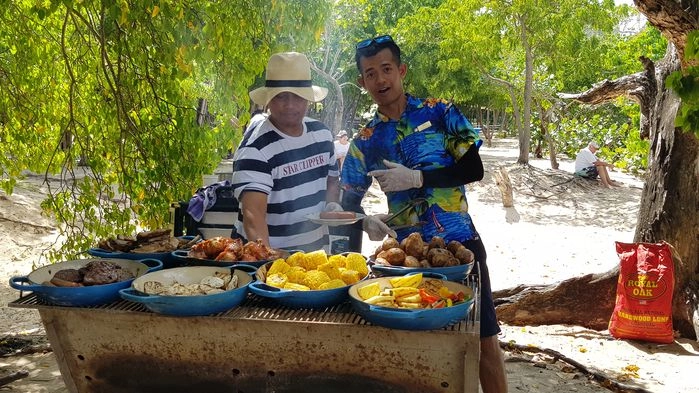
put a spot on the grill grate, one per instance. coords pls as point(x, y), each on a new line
point(260, 308)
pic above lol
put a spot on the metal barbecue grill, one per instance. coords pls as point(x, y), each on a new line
point(256, 347)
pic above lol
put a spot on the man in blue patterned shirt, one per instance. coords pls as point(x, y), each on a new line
point(420, 148)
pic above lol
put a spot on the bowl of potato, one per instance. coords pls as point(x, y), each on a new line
point(413, 255)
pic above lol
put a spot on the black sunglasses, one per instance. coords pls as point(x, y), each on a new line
point(373, 41)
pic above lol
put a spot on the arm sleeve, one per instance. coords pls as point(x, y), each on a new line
point(467, 169)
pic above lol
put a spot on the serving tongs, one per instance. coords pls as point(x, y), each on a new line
point(411, 204)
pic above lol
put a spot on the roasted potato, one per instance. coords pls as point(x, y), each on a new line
point(439, 257)
point(453, 246)
point(414, 245)
point(390, 242)
point(395, 256)
point(382, 261)
point(452, 262)
point(411, 261)
point(425, 250)
point(464, 255)
point(437, 242)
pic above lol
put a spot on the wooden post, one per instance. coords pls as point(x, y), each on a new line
point(502, 179)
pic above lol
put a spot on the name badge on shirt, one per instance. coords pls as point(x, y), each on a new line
point(423, 126)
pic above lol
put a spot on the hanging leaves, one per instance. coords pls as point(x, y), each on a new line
point(685, 83)
point(106, 95)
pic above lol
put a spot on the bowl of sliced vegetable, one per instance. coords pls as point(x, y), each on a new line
point(412, 302)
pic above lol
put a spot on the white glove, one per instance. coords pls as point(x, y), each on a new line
point(376, 228)
point(397, 177)
point(332, 207)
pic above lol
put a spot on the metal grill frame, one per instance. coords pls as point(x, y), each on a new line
point(337, 339)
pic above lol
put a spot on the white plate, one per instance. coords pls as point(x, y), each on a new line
point(315, 217)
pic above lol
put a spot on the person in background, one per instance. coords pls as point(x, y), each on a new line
point(341, 147)
point(589, 166)
point(285, 168)
point(420, 148)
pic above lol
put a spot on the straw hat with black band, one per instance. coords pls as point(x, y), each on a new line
point(288, 71)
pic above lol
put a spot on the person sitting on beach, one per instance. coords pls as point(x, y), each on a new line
point(587, 165)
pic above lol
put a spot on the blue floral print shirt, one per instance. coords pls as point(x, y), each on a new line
point(430, 134)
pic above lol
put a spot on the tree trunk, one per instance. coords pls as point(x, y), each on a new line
point(546, 115)
point(589, 300)
point(552, 151)
point(525, 131)
point(515, 104)
point(502, 179)
point(669, 203)
point(568, 302)
point(335, 120)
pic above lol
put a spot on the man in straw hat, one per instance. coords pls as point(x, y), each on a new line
point(285, 168)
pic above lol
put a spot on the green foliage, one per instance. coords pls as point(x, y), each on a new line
point(686, 84)
point(115, 86)
point(619, 140)
point(450, 47)
point(624, 58)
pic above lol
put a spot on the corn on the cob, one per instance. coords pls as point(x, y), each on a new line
point(350, 276)
point(338, 260)
point(296, 287)
point(315, 278)
point(331, 270)
point(278, 266)
point(296, 259)
point(296, 274)
point(357, 262)
point(314, 259)
point(332, 284)
point(277, 280)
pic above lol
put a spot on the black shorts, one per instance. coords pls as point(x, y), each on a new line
point(489, 321)
point(590, 172)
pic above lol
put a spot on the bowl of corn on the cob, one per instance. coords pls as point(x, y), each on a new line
point(310, 280)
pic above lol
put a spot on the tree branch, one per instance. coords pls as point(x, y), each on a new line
point(629, 86)
point(596, 375)
point(9, 378)
point(641, 87)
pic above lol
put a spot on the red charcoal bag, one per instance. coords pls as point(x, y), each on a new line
point(643, 309)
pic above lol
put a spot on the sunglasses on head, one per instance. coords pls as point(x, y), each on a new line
point(373, 41)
